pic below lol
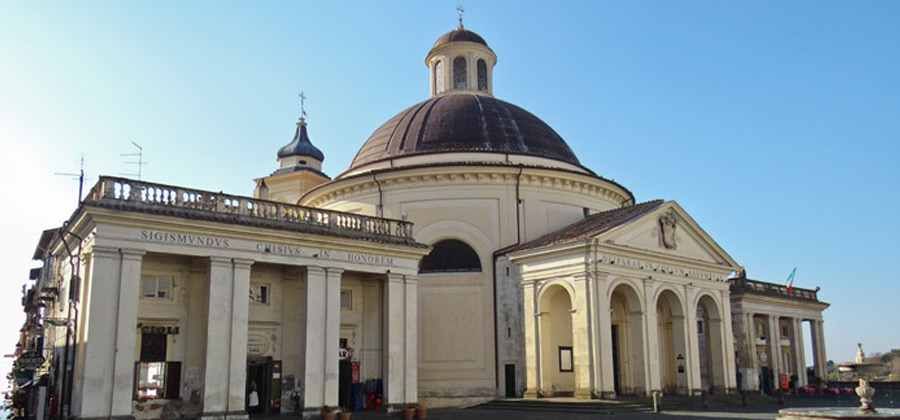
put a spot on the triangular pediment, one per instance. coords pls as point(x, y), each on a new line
point(668, 230)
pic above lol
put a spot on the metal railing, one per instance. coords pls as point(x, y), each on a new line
point(140, 195)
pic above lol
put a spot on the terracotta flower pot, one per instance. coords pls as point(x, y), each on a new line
point(330, 415)
point(345, 415)
point(421, 411)
point(409, 413)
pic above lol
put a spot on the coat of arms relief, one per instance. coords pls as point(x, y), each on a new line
point(668, 222)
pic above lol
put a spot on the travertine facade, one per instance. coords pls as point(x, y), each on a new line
point(466, 254)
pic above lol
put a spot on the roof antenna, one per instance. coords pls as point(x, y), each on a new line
point(79, 176)
point(139, 164)
point(459, 12)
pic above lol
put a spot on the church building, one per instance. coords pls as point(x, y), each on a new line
point(466, 254)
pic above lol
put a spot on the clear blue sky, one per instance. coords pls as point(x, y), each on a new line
point(774, 123)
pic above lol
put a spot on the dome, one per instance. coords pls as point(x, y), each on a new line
point(459, 34)
point(300, 145)
point(464, 122)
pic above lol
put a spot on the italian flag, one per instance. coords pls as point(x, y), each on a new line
point(790, 281)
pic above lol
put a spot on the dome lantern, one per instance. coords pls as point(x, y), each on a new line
point(461, 61)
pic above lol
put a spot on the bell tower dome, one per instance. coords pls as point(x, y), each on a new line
point(461, 61)
point(299, 167)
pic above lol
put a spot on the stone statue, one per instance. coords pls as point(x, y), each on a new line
point(667, 225)
point(860, 354)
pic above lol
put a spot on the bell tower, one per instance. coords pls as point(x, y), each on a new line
point(461, 61)
point(299, 167)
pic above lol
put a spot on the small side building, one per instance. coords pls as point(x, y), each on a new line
point(768, 334)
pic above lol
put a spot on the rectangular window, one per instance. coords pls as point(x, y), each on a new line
point(347, 300)
point(157, 380)
point(565, 359)
point(260, 293)
point(157, 287)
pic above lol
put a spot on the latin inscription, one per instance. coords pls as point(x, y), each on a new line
point(185, 239)
point(657, 267)
point(180, 238)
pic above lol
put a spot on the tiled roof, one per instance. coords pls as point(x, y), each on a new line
point(590, 226)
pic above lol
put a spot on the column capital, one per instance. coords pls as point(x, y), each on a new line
point(334, 271)
point(411, 279)
point(132, 254)
point(394, 278)
point(315, 270)
point(104, 251)
point(219, 261)
point(243, 263)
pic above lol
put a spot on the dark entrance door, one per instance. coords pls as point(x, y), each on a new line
point(510, 381)
point(260, 378)
point(616, 362)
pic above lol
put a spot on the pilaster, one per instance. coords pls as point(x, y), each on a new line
point(237, 366)
point(607, 383)
point(332, 333)
point(799, 352)
point(126, 331)
point(651, 349)
point(395, 345)
point(216, 383)
point(532, 340)
point(695, 383)
point(774, 349)
point(315, 345)
point(581, 338)
point(410, 365)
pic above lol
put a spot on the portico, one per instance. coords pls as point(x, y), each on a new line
point(193, 288)
point(616, 311)
point(770, 339)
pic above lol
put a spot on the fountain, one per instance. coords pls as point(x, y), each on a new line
point(866, 410)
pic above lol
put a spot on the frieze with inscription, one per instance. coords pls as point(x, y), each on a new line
point(208, 241)
point(656, 267)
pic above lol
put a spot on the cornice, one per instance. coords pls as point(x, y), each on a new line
point(94, 216)
point(486, 174)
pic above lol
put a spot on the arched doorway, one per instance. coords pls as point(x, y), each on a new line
point(628, 341)
point(672, 345)
point(557, 357)
point(711, 344)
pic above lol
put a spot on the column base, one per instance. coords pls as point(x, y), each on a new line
point(223, 415)
point(584, 394)
point(608, 395)
point(532, 394)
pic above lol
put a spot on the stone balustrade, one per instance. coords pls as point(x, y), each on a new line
point(742, 285)
point(135, 195)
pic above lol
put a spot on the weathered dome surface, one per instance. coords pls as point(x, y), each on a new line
point(464, 122)
point(300, 145)
point(459, 35)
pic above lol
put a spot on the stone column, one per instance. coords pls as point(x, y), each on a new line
point(751, 373)
point(774, 350)
point(411, 364)
point(126, 331)
point(332, 333)
point(799, 354)
point(394, 341)
point(315, 344)
point(819, 357)
point(581, 339)
point(110, 327)
point(532, 340)
point(237, 366)
point(216, 381)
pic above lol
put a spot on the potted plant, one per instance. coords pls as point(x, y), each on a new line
point(409, 412)
point(421, 411)
point(345, 414)
point(328, 413)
